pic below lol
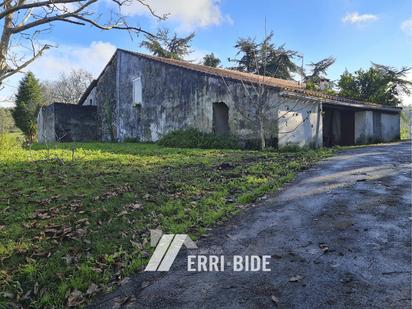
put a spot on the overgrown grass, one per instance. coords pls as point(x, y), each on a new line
point(192, 138)
point(75, 220)
point(405, 126)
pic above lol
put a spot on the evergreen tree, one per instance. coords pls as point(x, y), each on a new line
point(29, 99)
point(211, 60)
point(379, 84)
point(264, 58)
point(168, 46)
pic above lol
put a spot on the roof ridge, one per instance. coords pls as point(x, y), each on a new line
point(252, 78)
point(233, 74)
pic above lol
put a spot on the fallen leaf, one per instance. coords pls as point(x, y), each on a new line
point(295, 278)
point(323, 247)
point(119, 301)
point(136, 244)
point(36, 288)
point(134, 206)
point(75, 299)
point(93, 288)
point(275, 299)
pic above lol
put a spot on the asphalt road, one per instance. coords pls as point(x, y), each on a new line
point(342, 229)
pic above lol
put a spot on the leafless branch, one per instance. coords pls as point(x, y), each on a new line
point(24, 20)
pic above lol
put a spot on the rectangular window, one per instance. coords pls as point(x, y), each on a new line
point(137, 90)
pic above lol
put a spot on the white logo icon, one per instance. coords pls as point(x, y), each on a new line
point(167, 248)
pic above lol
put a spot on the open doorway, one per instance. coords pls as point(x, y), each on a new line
point(338, 127)
point(220, 118)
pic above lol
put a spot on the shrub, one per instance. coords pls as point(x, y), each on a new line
point(192, 138)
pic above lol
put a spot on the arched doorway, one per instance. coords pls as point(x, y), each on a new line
point(220, 118)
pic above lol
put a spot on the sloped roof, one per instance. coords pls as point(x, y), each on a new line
point(226, 73)
point(289, 87)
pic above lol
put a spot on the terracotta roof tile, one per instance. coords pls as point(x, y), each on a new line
point(288, 85)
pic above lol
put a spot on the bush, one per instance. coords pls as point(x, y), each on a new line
point(9, 141)
point(192, 138)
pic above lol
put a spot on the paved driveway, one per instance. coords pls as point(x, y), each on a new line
point(342, 229)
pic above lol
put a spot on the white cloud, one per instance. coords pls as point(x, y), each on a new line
point(189, 14)
point(197, 54)
point(406, 26)
point(65, 58)
point(62, 59)
point(355, 18)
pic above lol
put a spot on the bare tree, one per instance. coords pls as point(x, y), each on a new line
point(68, 88)
point(24, 21)
point(256, 92)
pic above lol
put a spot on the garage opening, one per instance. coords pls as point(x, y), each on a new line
point(220, 118)
point(338, 127)
point(347, 128)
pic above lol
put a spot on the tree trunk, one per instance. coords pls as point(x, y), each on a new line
point(5, 42)
point(262, 133)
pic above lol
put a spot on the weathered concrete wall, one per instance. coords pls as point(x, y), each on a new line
point(300, 124)
point(364, 127)
point(374, 126)
point(75, 123)
point(176, 98)
point(377, 126)
point(106, 98)
point(45, 125)
point(91, 98)
point(390, 127)
point(173, 97)
point(67, 123)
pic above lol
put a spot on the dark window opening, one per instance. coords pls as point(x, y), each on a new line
point(220, 118)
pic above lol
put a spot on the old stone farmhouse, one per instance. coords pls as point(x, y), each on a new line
point(141, 97)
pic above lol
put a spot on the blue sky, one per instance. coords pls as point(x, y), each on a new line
point(356, 32)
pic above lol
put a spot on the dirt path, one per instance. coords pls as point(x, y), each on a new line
point(355, 204)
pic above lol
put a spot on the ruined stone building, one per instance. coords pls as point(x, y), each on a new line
point(141, 97)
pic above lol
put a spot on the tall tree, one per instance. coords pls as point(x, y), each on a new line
point(29, 99)
point(317, 73)
point(23, 22)
point(264, 58)
point(68, 88)
point(168, 46)
point(379, 84)
point(211, 60)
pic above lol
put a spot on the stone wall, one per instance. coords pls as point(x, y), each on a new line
point(45, 125)
point(173, 97)
point(106, 97)
point(67, 123)
point(176, 98)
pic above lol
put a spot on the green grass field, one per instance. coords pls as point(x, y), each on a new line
point(75, 220)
